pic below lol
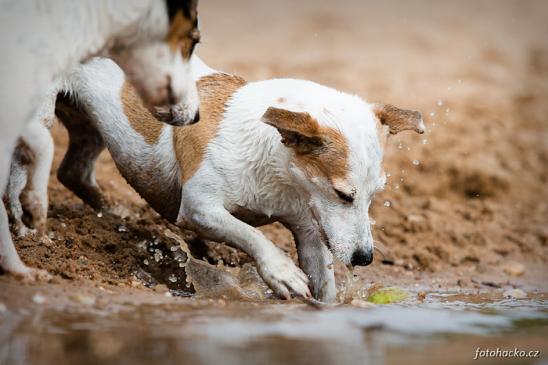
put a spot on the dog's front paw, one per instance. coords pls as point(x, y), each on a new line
point(283, 276)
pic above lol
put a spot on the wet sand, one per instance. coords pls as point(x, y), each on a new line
point(465, 207)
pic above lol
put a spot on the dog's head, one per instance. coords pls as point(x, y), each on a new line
point(336, 159)
point(156, 59)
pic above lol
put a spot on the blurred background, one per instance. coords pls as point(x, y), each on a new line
point(470, 193)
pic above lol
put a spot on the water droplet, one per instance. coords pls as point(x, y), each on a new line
point(439, 103)
point(447, 110)
point(424, 141)
point(100, 214)
point(416, 162)
point(397, 186)
point(145, 261)
point(432, 114)
point(158, 255)
point(387, 203)
point(121, 228)
point(388, 174)
point(400, 146)
point(172, 278)
point(174, 248)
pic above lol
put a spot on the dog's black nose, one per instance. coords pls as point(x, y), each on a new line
point(196, 117)
point(361, 258)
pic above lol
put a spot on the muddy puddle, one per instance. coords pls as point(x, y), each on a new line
point(441, 327)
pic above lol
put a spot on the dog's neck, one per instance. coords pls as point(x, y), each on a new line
point(125, 25)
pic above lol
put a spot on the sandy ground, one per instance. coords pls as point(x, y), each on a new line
point(466, 203)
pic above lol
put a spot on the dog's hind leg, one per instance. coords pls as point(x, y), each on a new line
point(77, 170)
point(10, 261)
point(16, 184)
point(34, 198)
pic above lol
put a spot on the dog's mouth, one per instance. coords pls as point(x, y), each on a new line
point(176, 115)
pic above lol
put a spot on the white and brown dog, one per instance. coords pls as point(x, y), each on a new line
point(42, 40)
point(278, 150)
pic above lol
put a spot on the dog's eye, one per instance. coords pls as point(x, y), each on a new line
point(349, 198)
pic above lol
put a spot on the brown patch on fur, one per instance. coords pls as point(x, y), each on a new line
point(319, 150)
point(382, 133)
point(25, 152)
point(399, 119)
point(139, 117)
point(190, 142)
point(34, 215)
point(183, 33)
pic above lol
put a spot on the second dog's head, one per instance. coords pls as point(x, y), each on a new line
point(336, 159)
point(155, 56)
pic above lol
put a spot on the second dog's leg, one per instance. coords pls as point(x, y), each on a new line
point(35, 196)
point(276, 269)
point(316, 261)
point(16, 185)
point(77, 171)
point(10, 261)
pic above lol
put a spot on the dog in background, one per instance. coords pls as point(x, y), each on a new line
point(151, 40)
point(282, 150)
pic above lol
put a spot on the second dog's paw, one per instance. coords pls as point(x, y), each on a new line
point(44, 239)
point(22, 231)
point(30, 275)
point(284, 277)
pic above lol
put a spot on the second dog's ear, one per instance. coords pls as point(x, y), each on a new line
point(398, 119)
point(299, 131)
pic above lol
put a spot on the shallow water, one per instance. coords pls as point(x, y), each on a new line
point(444, 327)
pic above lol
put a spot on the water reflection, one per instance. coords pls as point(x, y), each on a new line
point(246, 333)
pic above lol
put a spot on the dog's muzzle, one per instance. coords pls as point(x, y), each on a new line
point(361, 258)
point(176, 115)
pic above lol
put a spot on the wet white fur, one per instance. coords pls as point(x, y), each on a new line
point(276, 187)
point(42, 40)
point(247, 166)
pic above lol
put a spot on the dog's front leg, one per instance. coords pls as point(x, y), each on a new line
point(317, 262)
point(276, 268)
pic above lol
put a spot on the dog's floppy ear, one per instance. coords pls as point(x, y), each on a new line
point(398, 119)
point(299, 131)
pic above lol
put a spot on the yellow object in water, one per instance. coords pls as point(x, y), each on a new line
point(388, 295)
